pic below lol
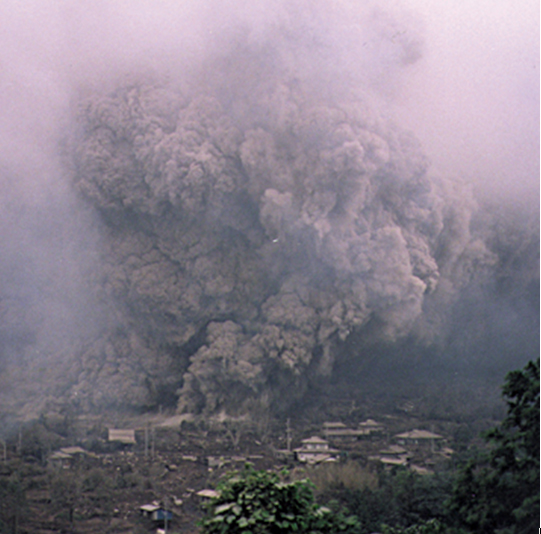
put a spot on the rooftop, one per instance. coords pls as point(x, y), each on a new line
point(334, 425)
point(122, 435)
point(418, 434)
point(314, 439)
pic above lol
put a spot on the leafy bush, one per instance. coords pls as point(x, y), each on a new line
point(259, 502)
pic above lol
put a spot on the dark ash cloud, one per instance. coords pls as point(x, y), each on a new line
point(219, 206)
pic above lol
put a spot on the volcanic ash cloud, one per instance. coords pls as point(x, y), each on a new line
point(247, 239)
point(252, 227)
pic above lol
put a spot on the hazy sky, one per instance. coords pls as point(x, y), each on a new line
point(473, 99)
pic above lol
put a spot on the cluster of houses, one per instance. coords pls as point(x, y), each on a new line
point(404, 447)
point(68, 457)
point(402, 450)
point(339, 431)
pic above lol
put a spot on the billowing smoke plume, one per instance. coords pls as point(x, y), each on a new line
point(268, 219)
point(260, 216)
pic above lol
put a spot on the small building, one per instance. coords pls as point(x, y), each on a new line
point(390, 462)
point(66, 457)
point(371, 427)
point(393, 456)
point(60, 460)
point(339, 431)
point(419, 438)
point(156, 513)
point(124, 436)
point(315, 450)
point(333, 427)
point(394, 451)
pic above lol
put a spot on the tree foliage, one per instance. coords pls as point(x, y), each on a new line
point(499, 491)
point(401, 500)
point(12, 504)
point(257, 502)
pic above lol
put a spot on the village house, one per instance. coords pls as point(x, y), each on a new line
point(331, 426)
point(66, 457)
point(371, 427)
point(390, 462)
point(340, 432)
point(60, 460)
point(124, 436)
point(156, 513)
point(419, 439)
point(315, 450)
point(393, 456)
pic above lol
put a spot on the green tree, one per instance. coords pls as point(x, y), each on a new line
point(499, 491)
point(259, 502)
point(65, 493)
point(401, 500)
point(12, 504)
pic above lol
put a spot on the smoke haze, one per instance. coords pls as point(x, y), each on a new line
point(220, 207)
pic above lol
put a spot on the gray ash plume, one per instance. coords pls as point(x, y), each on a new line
point(259, 225)
point(270, 220)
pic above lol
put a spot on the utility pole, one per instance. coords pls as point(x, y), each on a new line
point(167, 505)
point(146, 440)
point(288, 435)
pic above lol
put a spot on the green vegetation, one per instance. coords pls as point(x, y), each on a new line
point(259, 502)
point(498, 491)
point(400, 501)
point(12, 504)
